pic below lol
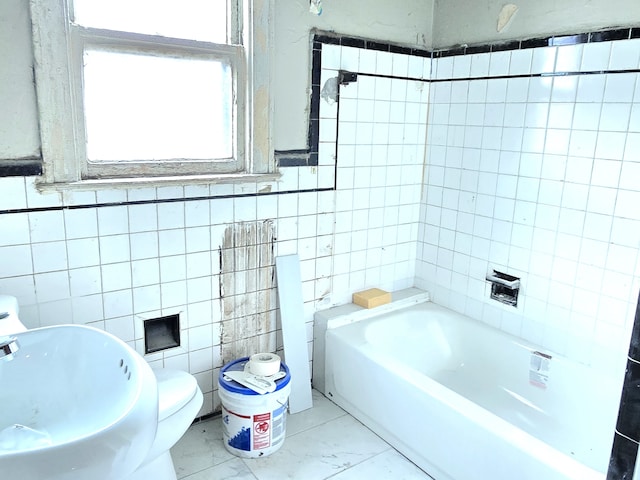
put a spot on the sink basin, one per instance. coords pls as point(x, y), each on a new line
point(75, 403)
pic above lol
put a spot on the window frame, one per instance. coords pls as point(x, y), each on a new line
point(58, 52)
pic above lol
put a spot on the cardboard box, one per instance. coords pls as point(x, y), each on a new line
point(374, 297)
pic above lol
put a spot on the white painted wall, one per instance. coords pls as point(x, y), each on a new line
point(431, 23)
point(458, 22)
point(406, 23)
point(18, 122)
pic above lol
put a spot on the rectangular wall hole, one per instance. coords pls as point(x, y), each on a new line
point(504, 294)
point(504, 288)
point(161, 333)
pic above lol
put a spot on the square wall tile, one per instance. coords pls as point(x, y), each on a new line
point(52, 286)
point(47, 226)
point(81, 223)
point(17, 260)
point(14, 193)
point(116, 276)
point(87, 309)
point(115, 248)
point(49, 256)
point(113, 220)
point(596, 56)
point(143, 218)
point(15, 230)
point(624, 55)
point(85, 281)
point(118, 303)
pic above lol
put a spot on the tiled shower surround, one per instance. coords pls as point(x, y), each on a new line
point(526, 172)
point(534, 170)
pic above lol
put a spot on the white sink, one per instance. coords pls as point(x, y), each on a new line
point(76, 403)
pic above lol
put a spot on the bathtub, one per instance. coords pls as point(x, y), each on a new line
point(463, 400)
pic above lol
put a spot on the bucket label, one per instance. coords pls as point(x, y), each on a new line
point(278, 424)
point(236, 430)
point(261, 431)
point(254, 432)
point(539, 369)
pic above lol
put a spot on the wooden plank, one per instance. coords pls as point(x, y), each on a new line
point(294, 332)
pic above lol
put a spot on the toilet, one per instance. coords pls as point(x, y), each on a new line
point(179, 401)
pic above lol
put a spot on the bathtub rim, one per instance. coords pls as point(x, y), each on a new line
point(349, 313)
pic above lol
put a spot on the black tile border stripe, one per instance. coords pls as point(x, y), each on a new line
point(536, 42)
point(332, 38)
point(628, 423)
point(391, 77)
point(624, 451)
point(570, 40)
point(293, 158)
point(20, 168)
point(309, 156)
point(623, 458)
point(610, 35)
point(530, 75)
point(161, 200)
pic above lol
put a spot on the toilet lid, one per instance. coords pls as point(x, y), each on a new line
point(175, 389)
point(8, 304)
point(9, 321)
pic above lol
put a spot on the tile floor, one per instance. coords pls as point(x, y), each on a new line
point(321, 443)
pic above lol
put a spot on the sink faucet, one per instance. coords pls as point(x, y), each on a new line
point(8, 347)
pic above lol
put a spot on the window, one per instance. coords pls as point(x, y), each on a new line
point(131, 89)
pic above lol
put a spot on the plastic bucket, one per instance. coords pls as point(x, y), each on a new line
point(254, 425)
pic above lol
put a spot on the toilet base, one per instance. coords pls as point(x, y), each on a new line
point(159, 469)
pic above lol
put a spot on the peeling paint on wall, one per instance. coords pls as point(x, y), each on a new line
point(506, 16)
point(261, 109)
point(247, 289)
point(315, 7)
point(329, 91)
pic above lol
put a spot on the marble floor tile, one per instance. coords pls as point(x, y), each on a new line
point(323, 411)
point(387, 465)
point(235, 469)
point(320, 452)
point(200, 448)
point(321, 443)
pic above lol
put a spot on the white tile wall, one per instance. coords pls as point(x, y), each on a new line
point(114, 266)
point(541, 195)
point(537, 176)
point(380, 160)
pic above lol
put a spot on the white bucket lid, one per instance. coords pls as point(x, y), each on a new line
point(175, 389)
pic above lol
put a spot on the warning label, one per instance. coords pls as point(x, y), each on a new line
point(261, 431)
point(255, 433)
point(539, 369)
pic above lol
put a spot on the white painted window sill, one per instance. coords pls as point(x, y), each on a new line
point(263, 180)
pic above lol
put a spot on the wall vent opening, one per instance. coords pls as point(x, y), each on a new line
point(161, 333)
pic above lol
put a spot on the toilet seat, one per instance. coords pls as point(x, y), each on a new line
point(175, 389)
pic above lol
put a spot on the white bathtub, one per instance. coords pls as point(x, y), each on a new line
point(461, 399)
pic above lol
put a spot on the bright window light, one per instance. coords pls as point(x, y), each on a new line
point(204, 20)
point(148, 108)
